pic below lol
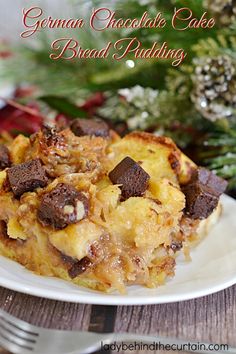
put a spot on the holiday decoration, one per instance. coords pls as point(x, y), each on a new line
point(137, 106)
point(224, 10)
point(214, 91)
point(195, 103)
point(20, 119)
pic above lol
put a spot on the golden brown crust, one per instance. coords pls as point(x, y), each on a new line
point(174, 154)
point(174, 160)
point(153, 139)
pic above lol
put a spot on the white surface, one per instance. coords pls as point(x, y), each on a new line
point(11, 15)
point(11, 24)
point(213, 268)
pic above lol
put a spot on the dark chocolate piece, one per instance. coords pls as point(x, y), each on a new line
point(26, 177)
point(62, 206)
point(67, 259)
point(200, 201)
point(202, 193)
point(96, 127)
point(80, 267)
point(131, 176)
point(217, 184)
point(5, 160)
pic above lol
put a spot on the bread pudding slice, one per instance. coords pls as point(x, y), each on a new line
point(101, 211)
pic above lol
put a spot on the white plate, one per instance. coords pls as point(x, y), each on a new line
point(213, 268)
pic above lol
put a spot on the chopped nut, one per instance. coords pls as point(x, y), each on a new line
point(80, 210)
point(68, 209)
point(23, 207)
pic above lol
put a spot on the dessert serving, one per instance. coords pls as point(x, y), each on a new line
point(101, 211)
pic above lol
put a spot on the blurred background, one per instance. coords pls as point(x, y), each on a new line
point(195, 104)
point(11, 14)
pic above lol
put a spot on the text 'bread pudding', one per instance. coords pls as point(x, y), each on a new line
point(87, 206)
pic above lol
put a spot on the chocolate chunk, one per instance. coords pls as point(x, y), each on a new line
point(96, 127)
point(208, 178)
point(131, 176)
point(26, 177)
point(80, 267)
point(74, 266)
point(202, 193)
point(62, 206)
point(4, 157)
point(67, 259)
point(200, 201)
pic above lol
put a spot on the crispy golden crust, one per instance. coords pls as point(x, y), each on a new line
point(148, 138)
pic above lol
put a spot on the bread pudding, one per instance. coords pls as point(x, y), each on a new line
point(101, 211)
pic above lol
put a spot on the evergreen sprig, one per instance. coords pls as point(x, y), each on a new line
point(219, 153)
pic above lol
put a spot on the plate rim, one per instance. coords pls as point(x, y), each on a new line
point(112, 299)
point(117, 300)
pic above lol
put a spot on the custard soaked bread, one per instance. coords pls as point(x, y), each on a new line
point(101, 211)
